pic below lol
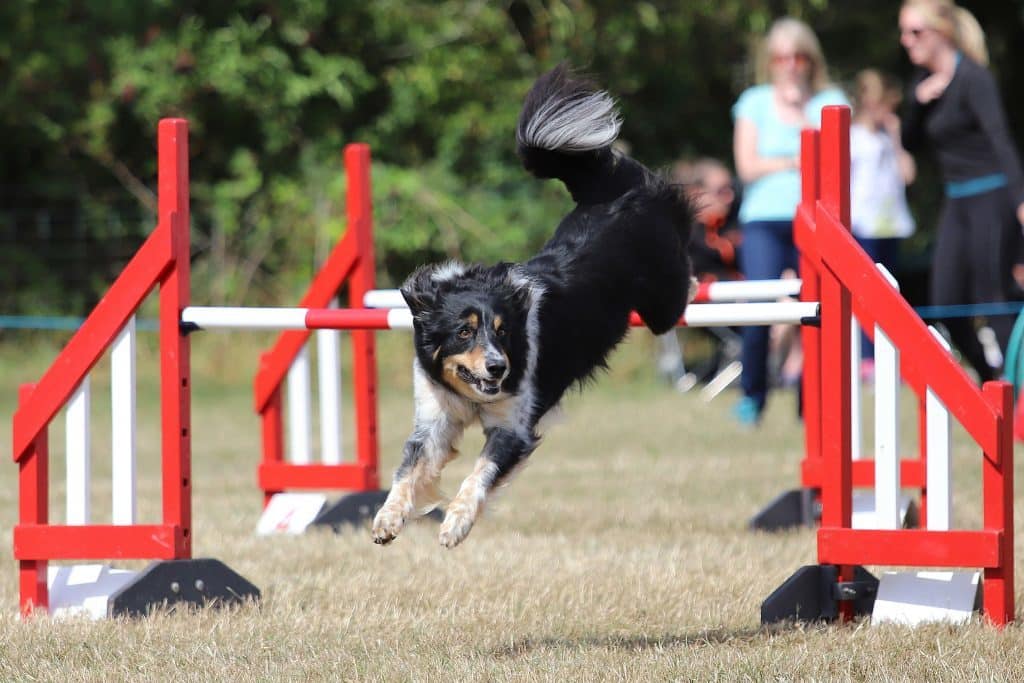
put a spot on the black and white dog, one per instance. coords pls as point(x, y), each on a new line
point(501, 344)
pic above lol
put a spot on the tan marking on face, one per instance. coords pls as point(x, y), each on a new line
point(498, 321)
point(472, 360)
point(473, 320)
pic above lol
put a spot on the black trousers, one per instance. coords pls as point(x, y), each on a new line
point(973, 263)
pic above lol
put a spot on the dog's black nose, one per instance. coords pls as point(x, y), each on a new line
point(496, 368)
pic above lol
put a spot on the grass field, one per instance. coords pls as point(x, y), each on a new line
point(620, 553)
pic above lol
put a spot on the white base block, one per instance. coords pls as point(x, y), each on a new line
point(929, 596)
point(290, 513)
point(84, 589)
point(864, 509)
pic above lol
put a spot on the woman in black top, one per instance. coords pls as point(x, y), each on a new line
point(954, 109)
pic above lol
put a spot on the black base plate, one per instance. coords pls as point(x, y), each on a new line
point(167, 583)
point(798, 507)
point(357, 510)
point(812, 594)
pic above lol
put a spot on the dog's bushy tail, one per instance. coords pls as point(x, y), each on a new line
point(567, 126)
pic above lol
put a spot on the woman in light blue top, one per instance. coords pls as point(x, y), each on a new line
point(793, 86)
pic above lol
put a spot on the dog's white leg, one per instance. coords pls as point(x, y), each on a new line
point(429, 448)
point(467, 505)
point(503, 452)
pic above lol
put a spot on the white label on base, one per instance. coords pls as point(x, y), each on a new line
point(929, 596)
point(290, 513)
point(84, 589)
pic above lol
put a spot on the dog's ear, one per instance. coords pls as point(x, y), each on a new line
point(519, 287)
point(420, 290)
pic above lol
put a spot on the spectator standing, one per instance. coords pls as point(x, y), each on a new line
point(793, 86)
point(954, 109)
point(880, 170)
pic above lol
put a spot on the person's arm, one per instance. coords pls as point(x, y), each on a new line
point(912, 122)
point(987, 106)
point(749, 164)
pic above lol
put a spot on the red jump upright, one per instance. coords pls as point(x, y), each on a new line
point(351, 263)
point(838, 586)
point(162, 262)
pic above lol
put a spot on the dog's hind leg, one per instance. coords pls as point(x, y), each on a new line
point(503, 451)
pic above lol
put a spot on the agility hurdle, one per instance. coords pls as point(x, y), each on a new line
point(838, 586)
point(161, 263)
point(726, 291)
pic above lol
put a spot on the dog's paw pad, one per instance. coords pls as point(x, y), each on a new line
point(456, 526)
point(386, 525)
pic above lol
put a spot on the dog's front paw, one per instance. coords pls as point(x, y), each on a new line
point(387, 524)
point(456, 525)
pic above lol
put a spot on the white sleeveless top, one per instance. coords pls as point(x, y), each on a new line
point(878, 198)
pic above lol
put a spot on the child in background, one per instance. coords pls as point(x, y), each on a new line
point(880, 170)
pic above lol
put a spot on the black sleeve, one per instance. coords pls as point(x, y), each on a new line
point(912, 123)
point(987, 106)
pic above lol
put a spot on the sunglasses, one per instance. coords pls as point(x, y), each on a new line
point(798, 58)
point(914, 33)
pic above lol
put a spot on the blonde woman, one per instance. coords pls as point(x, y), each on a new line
point(793, 86)
point(954, 109)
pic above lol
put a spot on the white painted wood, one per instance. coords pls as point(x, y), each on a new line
point(122, 413)
point(84, 589)
point(300, 422)
point(400, 319)
point(887, 441)
point(77, 440)
point(328, 355)
point(290, 513)
point(915, 598)
point(938, 431)
point(254, 318)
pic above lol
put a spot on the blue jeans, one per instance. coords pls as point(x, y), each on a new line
point(884, 250)
point(767, 250)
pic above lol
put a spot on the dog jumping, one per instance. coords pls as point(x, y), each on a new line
point(501, 344)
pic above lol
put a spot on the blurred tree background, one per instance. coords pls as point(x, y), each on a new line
point(273, 89)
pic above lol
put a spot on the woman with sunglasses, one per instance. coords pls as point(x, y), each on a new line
point(793, 86)
point(954, 109)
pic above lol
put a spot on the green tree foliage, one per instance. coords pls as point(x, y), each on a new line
point(273, 89)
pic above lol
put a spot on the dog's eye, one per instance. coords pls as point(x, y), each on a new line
point(500, 332)
point(465, 333)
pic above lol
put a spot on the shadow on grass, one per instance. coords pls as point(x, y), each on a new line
point(637, 643)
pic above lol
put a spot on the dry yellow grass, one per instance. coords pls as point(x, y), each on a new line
point(620, 553)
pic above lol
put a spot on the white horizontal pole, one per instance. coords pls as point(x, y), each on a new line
point(246, 318)
point(712, 292)
point(747, 290)
point(384, 298)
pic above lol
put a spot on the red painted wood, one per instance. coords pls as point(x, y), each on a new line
point(33, 508)
point(273, 438)
point(324, 287)
point(997, 487)
point(99, 542)
point(911, 547)
point(91, 340)
point(862, 472)
point(359, 206)
point(347, 319)
point(810, 290)
point(283, 476)
point(175, 379)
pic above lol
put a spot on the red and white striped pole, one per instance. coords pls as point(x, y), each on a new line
point(707, 292)
point(707, 315)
